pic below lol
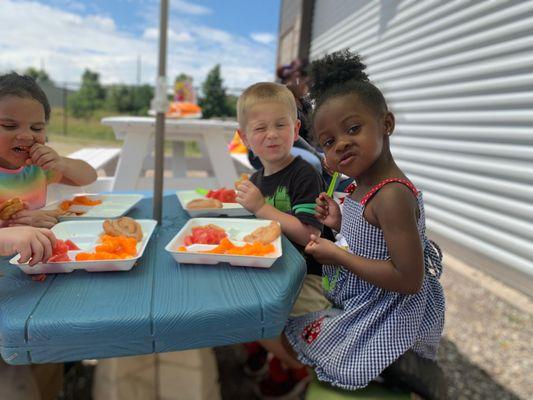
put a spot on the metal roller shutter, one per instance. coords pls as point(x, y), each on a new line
point(459, 77)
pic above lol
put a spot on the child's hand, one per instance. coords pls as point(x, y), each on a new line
point(46, 158)
point(33, 244)
point(322, 250)
point(328, 211)
point(35, 218)
point(249, 196)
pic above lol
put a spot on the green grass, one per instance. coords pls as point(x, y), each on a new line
point(81, 128)
point(89, 132)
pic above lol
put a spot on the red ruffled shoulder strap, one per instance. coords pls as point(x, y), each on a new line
point(375, 189)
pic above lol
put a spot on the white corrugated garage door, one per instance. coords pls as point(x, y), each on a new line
point(459, 77)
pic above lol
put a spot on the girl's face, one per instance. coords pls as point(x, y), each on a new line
point(22, 124)
point(351, 134)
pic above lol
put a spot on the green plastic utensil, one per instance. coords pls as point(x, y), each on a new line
point(332, 184)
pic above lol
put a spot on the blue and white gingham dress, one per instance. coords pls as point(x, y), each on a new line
point(367, 327)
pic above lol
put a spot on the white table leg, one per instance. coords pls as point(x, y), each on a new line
point(131, 160)
point(221, 161)
point(179, 164)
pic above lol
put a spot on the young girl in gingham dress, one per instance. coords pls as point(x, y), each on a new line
point(382, 281)
point(368, 327)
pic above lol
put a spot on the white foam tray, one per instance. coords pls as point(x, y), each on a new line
point(85, 235)
point(236, 230)
point(229, 209)
point(113, 206)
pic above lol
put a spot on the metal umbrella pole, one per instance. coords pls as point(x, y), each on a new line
point(160, 104)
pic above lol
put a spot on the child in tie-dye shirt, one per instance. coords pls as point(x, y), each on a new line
point(27, 165)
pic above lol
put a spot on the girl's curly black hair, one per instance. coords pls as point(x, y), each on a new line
point(25, 87)
point(342, 73)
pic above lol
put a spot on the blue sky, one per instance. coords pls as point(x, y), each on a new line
point(67, 36)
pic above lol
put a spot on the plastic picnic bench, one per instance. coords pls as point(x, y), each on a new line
point(105, 158)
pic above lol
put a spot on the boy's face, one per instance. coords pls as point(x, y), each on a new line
point(270, 132)
point(22, 124)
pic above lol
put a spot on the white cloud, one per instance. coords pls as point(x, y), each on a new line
point(265, 38)
point(67, 43)
point(153, 34)
point(189, 8)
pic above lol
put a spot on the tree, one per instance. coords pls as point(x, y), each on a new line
point(129, 99)
point(182, 77)
point(231, 102)
point(40, 75)
point(89, 97)
point(214, 103)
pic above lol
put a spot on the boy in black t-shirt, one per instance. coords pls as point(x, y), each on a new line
point(284, 190)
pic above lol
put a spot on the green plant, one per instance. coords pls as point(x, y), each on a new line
point(214, 103)
point(89, 97)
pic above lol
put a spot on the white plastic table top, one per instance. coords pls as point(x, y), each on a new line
point(158, 306)
point(212, 136)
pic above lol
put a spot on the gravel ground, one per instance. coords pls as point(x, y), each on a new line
point(486, 351)
point(487, 348)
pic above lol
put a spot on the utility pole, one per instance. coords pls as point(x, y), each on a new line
point(139, 69)
point(65, 109)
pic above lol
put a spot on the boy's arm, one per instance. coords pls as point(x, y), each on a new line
point(251, 198)
point(299, 222)
point(292, 227)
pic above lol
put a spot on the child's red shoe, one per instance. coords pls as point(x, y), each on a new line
point(256, 365)
point(283, 383)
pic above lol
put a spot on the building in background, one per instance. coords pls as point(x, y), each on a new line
point(459, 78)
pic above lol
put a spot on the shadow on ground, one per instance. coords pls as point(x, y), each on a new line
point(465, 380)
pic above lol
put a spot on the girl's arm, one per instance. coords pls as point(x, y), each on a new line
point(395, 210)
point(35, 218)
point(77, 172)
point(73, 172)
point(33, 244)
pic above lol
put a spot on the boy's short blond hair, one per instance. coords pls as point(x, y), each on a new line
point(263, 92)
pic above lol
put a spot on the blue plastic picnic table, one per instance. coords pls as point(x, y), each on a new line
point(158, 306)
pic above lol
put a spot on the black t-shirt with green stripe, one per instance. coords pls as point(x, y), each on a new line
point(294, 190)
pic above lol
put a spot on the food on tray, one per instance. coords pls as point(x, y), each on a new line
point(264, 234)
point(242, 178)
point(10, 207)
point(65, 205)
point(124, 226)
point(111, 248)
point(222, 194)
point(183, 109)
point(203, 203)
point(207, 234)
point(79, 201)
point(60, 250)
point(249, 249)
point(71, 245)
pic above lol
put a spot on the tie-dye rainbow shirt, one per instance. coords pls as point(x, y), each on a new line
point(27, 183)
